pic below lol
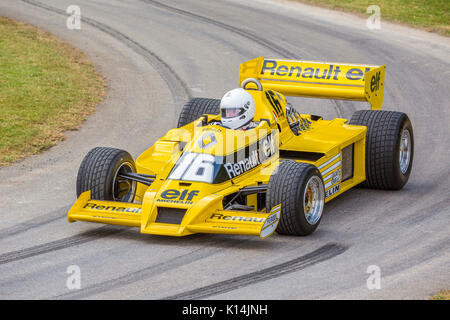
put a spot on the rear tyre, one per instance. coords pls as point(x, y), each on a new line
point(389, 148)
point(99, 172)
point(300, 190)
point(196, 107)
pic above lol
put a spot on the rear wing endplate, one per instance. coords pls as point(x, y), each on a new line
point(318, 79)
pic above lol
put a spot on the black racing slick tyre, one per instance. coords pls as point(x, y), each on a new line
point(389, 148)
point(299, 188)
point(196, 107)
point(100, 172)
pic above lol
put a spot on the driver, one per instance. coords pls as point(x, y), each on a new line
point(237, 109)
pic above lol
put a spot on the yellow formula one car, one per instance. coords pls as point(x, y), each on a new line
point(204, 178)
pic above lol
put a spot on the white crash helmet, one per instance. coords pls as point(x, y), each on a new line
point(237, 108)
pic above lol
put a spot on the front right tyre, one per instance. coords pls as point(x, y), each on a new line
point(100, 172)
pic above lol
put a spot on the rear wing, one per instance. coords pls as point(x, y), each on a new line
point(318, 79)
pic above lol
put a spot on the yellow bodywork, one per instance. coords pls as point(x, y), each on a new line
point(328, 80)
point(179, 203)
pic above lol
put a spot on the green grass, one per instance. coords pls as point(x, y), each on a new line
point(431, 15)
point(46, 88)
point(443, 295)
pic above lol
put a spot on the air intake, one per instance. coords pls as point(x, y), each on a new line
point(170, 215)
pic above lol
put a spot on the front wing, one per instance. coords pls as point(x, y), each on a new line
point(218, 221)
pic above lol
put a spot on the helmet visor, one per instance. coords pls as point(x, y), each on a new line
point(231, 112)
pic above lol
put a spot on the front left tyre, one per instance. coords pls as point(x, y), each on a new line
point(300, 190)
point(100, 172)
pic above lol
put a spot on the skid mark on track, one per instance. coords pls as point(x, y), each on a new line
point(246, 34)
point(34, 223)
point(325, 252)
point(165, 71)
point(59, 244)
point(153, 270)
point(176, 85)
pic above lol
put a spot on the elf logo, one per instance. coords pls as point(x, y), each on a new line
point(375, 82)
point(179, 196)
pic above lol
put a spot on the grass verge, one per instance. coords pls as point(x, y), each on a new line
point(443, 295)
point(430, 15)
point(46, 88)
